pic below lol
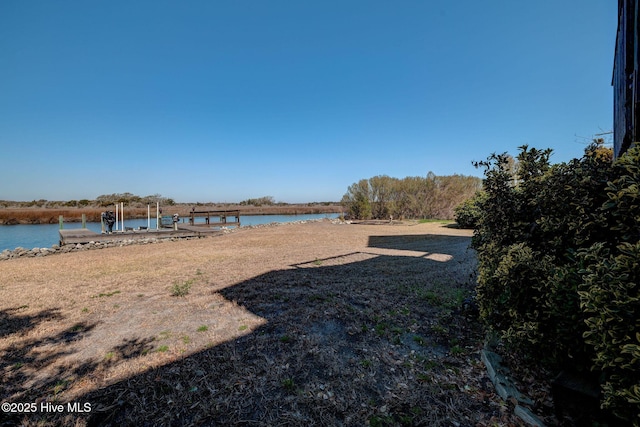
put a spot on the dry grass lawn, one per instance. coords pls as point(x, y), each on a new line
point(300, 324)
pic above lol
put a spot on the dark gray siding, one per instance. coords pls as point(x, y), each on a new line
point(626, 96)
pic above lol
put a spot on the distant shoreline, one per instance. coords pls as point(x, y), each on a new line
point(16, 216)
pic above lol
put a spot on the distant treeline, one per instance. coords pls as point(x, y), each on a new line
point(131, 200)
point(48, 212)
point(382, 197)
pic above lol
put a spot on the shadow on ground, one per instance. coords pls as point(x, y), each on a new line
point(31, 372)
point(38, 354)
point(355, 339)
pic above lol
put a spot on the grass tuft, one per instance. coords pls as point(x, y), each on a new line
point(106, 294)
point(289, 384)
point(181, 289)
point(285, 339)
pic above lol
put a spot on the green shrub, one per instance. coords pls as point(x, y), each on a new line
point(513, 269)
point(505, 307)
point(559, 264)
point(527, 235)
point(468, 213)
point(610, 294)
point(624, 199)
point(612, 300)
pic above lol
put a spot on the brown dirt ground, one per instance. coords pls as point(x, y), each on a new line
point(318, 323)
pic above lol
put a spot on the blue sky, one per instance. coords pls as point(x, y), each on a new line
point(227, 100)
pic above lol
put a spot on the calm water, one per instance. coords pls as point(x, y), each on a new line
point(45, 235)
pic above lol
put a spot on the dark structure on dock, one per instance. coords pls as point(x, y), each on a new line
point(626, 87)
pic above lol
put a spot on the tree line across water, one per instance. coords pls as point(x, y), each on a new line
point(134, 201)
point(48, 212)
point(379, 197)
point(416, 197)
point(104, 200)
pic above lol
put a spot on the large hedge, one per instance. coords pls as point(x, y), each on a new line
point(549, 245)
point(610, 294)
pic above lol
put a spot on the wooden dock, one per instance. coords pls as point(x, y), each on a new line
point(223, 218)
point(83, 235)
